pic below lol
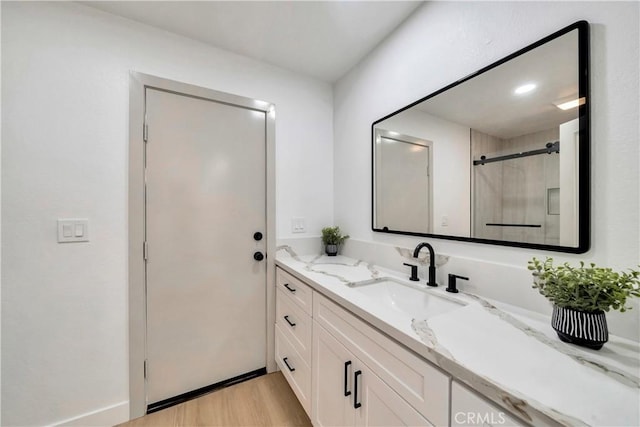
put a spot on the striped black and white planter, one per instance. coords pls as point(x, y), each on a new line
point(587, 329)
point(331, 250)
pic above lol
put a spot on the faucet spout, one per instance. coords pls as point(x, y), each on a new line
point(432, 261)
point(432, 255)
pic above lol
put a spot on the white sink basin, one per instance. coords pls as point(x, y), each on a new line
point(406, 298)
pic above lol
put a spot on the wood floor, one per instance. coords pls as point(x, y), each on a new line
point(262, 401)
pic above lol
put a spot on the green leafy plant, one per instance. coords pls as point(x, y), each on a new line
point(333, 236)
point(584, 288)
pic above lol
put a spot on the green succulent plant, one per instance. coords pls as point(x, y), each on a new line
point(333, 236)
point(584, 288)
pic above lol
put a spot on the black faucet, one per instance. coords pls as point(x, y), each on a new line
point(432, 262)
point(452, 283)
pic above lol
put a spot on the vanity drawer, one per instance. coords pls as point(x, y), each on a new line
point(298, 373)
point(295, 289)
point(422, 385)
point(295, 323)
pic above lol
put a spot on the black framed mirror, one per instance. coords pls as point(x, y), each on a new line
point(501, 156)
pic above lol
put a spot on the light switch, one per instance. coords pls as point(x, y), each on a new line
point(73, 230)
point(297, 225)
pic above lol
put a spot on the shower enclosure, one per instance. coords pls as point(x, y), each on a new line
point(522, 186)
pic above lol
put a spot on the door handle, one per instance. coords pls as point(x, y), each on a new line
point(288, 367)
point(258, 256)
point(289, 321)
point(356, 404)
point(346, 376)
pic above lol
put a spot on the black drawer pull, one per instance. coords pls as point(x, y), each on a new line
point(356, 404)
point(285, 362)
point(293, 291)
point(346, 376)
point(289, 321)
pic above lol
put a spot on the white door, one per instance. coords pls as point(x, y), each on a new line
point(205, 199)
point(403, 183)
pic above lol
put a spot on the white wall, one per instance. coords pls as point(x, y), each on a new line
point(65, 77)
point(444, 41)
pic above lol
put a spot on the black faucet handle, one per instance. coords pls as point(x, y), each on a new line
point(414, 272)
point(451, 287)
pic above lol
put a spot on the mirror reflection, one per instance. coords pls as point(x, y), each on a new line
point(495, 157)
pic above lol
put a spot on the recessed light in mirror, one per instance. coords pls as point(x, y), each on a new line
point(521, 90)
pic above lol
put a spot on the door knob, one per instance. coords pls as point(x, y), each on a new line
point(257, 236)
point(258, 256)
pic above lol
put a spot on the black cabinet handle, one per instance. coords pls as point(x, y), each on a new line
point(289, 321)
point(289, 367)
point(356, 404)
point(346, 376)
point(293, 291)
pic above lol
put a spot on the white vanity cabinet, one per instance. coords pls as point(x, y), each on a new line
point(468, 409)
point(347, 373)
point(293, 330)
point(347, 393)
point(394, 386)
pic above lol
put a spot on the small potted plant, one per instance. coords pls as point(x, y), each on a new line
point(581, 296)
point(332, 239)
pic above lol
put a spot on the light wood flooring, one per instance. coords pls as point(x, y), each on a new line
point(262, 401)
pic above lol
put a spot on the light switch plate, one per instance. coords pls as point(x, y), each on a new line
point(73, 230)
point(297, 225)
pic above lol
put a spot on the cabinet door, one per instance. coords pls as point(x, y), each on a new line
point(332, 381)
point(380, 405)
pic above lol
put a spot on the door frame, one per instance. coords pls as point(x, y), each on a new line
point(138, 83)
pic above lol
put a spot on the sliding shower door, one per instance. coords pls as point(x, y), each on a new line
point(516, 186)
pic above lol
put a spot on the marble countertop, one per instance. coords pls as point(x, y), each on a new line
point(510, 355)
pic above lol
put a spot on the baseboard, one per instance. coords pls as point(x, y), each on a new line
point(109, 416)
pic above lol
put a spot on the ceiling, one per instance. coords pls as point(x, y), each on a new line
point(487, 102)
point(322, 39)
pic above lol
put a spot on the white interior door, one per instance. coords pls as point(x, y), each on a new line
point(205, 199)
point(403, 184)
